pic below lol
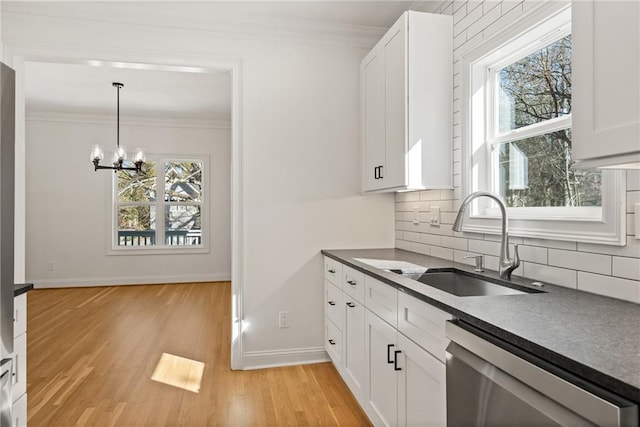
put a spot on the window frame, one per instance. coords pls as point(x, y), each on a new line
point(160, 204)
point(479, 62)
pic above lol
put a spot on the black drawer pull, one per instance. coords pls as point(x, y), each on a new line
point(395, 360)
point(352, 282)
point(389, 353)
point(331, 270)
point(350, 304)
point(332, 342)
point(331, 303)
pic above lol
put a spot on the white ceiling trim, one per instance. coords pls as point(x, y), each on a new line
point(252, 28)
point(132, 121)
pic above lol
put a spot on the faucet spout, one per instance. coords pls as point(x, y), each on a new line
point(507, 265)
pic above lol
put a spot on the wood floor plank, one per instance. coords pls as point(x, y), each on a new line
point(92, 353)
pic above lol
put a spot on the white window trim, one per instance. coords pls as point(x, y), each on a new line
point(204, 248)
point(609, 228)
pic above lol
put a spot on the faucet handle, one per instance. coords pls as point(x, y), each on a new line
point(479, 262)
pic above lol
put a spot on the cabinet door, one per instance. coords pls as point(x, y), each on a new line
point(353, 345)
point(382, 378)
point(20, 412)
point(333, 343)
point(395, 84)
point(333, 304)
point(606, 78)
point(421, 388)
point(373, 119)
point(19, 366)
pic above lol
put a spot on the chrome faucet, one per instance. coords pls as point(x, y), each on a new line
point(507, 265)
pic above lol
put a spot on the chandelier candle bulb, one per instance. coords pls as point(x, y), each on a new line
point(139, 157)
point(97, 153)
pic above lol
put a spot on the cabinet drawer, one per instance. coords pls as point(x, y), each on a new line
point(19, 366)
point(333, 343)
point(332, 271)
point(353, 283)
point(20, 314)
point(423, 324)
point(381, 299)
point(333, 304)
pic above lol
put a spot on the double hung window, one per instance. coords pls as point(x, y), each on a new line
point(518, 139)
point(160, 207)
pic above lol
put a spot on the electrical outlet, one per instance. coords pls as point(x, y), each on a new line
point(416, 215)
point(435, 215)
point(49, 266)
point(283, 319)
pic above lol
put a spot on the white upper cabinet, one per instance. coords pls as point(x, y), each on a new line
point(606, 83)
point(406, 106)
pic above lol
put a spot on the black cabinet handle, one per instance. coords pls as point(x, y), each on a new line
point(332, 342)
point(331, 270)
point(350, 304)
point(389, 353)
point(352, 282)
point(380, 172)
point(375, 172)
point(331, 303)
point(395, 360)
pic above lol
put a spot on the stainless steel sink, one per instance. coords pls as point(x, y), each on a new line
point(463, 284)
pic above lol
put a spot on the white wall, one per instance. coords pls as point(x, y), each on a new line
point(301, 177)
point(608, 270)
point(69, 207)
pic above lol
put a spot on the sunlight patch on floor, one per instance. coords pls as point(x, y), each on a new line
point(179, 372)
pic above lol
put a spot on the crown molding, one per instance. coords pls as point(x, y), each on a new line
point(133, 121)
point(171, 15)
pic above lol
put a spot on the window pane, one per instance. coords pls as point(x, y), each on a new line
point(535, 88)
point(136, 226)
point(137, 187)
point(183, 225)
point(538, 172)
point(182, 181)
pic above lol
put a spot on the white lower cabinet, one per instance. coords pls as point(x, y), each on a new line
point(389, 349)
point(381, 393)
point(19, 412)
point(406, 383)
point(19, 375)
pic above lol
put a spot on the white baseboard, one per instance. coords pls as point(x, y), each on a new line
point(288, 357)
point(137, 280)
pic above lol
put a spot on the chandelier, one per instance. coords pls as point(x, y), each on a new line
point(120, 155)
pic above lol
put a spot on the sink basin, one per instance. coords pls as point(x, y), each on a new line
point(462, 284)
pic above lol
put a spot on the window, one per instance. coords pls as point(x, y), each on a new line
point(518, 138)
point(161, 207)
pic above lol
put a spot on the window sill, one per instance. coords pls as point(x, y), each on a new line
point(131, 251)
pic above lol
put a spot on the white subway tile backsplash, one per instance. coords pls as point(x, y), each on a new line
point(444, 253)
point(411, 237)
point(454, 243)
point(604, 269)
point(484, 247)
point(614, 287)
point(548, 274)
point(420, 248)
point(431, 239)
point(628, 268)
point(533, 253)
point(482, 23)
point(430, 195)
point(594, 263)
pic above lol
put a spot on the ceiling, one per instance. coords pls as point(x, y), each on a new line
point(178, 93)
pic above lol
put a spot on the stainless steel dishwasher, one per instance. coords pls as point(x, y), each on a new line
point(489, 383)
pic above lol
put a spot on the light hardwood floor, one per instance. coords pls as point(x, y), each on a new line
point(92, 353)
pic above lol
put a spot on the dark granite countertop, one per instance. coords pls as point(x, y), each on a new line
point(21, 288)
point(591, 336)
